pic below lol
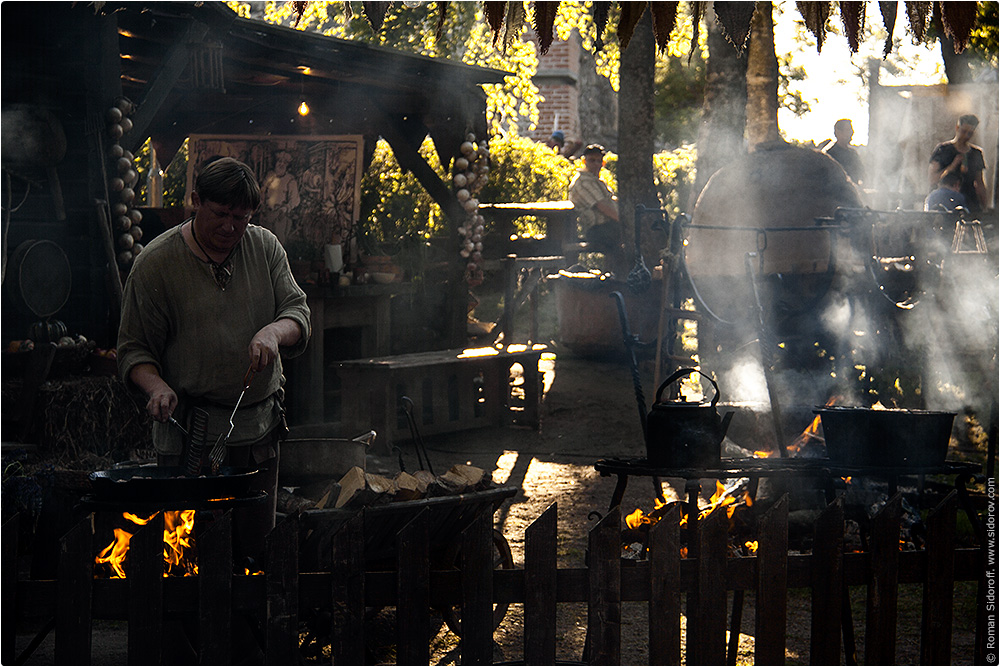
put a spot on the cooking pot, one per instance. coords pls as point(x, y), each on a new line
point(305, 460)
point(886, 438)
point(681, 434)
point(156, 483)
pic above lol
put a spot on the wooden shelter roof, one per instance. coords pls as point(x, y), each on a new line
point(199, 68)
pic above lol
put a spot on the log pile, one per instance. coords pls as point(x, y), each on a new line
point(357, 488)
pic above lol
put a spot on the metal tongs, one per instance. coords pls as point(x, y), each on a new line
point(218, 452)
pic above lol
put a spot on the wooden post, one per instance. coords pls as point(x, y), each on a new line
point(706, 629)
point(477, 591)
point(145, 594)
point(282, 584)
point(215, 592)
point(533, 388)
point(770, 619)
point(883, 585)
point(939, 587)
point(8, 588)
point(348, 593)
point(664, 589)
point(827, 585)
point(510, 272)
point(413, 582)
point(74, 596)
point(540, 542)
point(604, 597)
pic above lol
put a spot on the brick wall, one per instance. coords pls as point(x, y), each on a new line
point(578, 101)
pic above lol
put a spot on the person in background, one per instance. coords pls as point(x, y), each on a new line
point(556, 141)
point(208, 306)
point(841, 150)
point(595, 205)
point(948, 195)
point(960, 156)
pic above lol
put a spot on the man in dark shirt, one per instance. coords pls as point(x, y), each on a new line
point(842, 151)
point(964, 158)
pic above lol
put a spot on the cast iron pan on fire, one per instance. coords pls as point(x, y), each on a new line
point(144, 483)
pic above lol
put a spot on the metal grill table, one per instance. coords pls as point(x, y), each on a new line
point(789, 468)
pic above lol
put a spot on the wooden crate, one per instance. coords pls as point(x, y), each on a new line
point(451, 390)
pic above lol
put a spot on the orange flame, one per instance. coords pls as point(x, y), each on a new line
point(178, 528)
point(637, 518)
point(752, 546)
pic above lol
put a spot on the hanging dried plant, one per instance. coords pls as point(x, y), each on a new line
point(299, 8)
point(442, 12)
point(919, 15)
point(852, 15)
point(735, 18)
point(815, 15)
point(545, 18)
point(631, 12)
point(697, 11)
point(513, 24)
point(664, 19)
point(959, 18)
point(888, 10)
point(601, 11)
point(375, 12)
point(495, 11)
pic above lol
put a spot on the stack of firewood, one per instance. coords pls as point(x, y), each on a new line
point(358, 488)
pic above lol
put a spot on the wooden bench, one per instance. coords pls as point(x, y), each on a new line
point(451, 390)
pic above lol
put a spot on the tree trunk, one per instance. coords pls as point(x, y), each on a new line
point(957, 66)
point(762, 80)
point(635, 145)
point(724, 113)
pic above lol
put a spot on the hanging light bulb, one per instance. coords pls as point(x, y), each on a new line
point(303, 109)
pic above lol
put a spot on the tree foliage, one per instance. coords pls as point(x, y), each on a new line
point(984, 36)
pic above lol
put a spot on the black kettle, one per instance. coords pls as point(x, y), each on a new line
point(680, 434)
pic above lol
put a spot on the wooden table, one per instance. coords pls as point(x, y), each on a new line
point(335, 307)
point(449, 390)
point(561, 235)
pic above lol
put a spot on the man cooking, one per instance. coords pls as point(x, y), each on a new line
point(209, 305)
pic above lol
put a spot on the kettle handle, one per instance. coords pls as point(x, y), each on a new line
point(681, 373)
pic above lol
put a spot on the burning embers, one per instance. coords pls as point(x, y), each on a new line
point(179, 553)
point(733, 498)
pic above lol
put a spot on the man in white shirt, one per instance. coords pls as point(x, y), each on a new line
point(596, 207)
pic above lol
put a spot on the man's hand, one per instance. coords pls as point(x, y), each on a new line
point(263, 349)
point(162, 403)
point(162, 400)
point(958, 164)
point(264, 346)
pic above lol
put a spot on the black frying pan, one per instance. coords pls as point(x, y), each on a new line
point(146, 483)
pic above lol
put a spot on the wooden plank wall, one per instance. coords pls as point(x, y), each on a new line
point(283, 593)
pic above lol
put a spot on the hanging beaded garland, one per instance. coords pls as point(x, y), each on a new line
point(122, 182)
point(470, 172)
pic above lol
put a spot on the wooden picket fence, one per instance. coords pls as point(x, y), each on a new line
point(147, 600)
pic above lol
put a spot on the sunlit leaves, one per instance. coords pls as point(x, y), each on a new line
point(395, 206)
point(673, 175)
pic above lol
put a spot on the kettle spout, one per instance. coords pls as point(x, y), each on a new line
point(726, 418)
